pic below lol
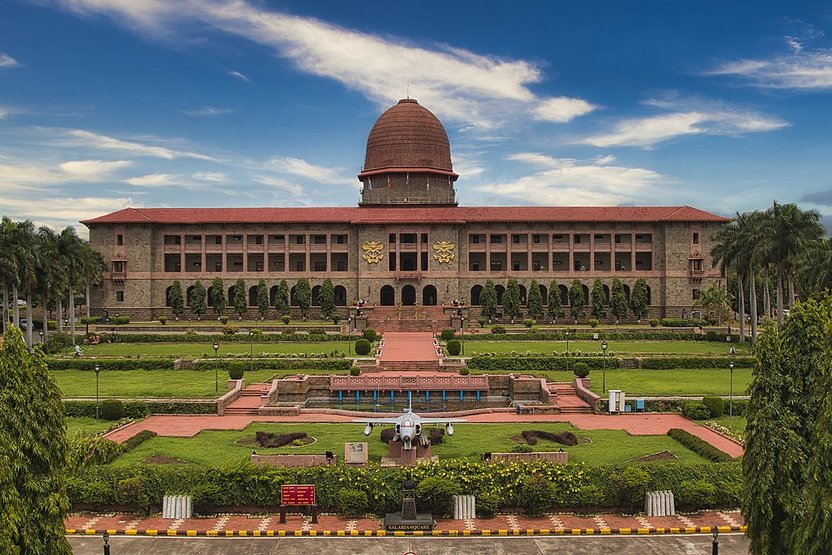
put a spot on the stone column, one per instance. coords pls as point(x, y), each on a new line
point(202, 259)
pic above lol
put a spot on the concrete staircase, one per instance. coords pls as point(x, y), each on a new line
point(409, 366)
point(249, 401)
point(567, 399)
point(411, 318)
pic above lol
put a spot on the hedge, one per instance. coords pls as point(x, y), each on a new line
point(109, 364)
point(574, 485)
point(137, 439)
point(682, 323)
point(537, 363)
point(699, 446)
point(610, 336)
point(140, 409)
point(671, 362)
point(333, 364)
point(241, 337)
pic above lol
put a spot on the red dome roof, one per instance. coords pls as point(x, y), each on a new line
point(408, 137)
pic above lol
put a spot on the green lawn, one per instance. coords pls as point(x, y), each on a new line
point(473, 346)
point(184, 384)
point(195, 350)
point(215, 448)
point(77, 424)
point(700, 381)
point(734, 423)
point(211, 320)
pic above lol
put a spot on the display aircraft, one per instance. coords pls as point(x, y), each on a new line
point(409, 426)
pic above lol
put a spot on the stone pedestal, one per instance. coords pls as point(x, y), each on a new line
point(408, 518)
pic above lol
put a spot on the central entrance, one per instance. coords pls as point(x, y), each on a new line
point(429, 295)
point(408, 295)
point(388, 296)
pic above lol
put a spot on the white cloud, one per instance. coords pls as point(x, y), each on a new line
point(209, 111)
point(275, 182)
point(7, 62)
point(307, 170)
point(39, 175)
point(240, 76)
point(215, 177)
point(3, 113)
point(80, 137)
point(563, 109)
point(60, 211)
point(568, 182)
point(799, 70)
point(479, 91)
point(648, 131)
point(165, 180)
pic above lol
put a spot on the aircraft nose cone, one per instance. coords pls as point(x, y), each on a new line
point(406, 439)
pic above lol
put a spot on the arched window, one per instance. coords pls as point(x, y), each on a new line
point(231, 296)
point(408, 295)
point(388, 296)
point(167, 295)
point(272, 295)
point(627, 292)
point(252, 296)
point(544, 294)
point(649, 296)
point(340, 295)
point(500, 290)
point(564, 295)
point(476, 291)
point(188, 295)
point(316, 293)
point(429, 295)
point(606, 294)
point(586, 293)
point(522, 295)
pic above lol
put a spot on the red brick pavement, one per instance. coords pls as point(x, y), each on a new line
point(408, 346)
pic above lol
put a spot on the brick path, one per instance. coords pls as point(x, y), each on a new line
point(408, 346)
point(336, 525)
point(635, 424)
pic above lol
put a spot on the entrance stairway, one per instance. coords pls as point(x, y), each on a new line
point(567, 399)
point(411, 318)
point(249, 401)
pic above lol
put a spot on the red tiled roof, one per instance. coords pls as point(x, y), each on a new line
point(429, 215)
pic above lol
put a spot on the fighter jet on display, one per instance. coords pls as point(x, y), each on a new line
point(409, 426)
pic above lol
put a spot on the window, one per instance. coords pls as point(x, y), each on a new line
point(120, 240)
point(515, 239)
point(320, 266)
point(300, 239)
point(697, 265)
point(477, 239)
point(696, 294)
point(559, 238)
point(255, 239)
point(424, 238)
point(339, 239)
point(173, 239)
point(120, 296)
point(319, 239)
point(695, 237)
point(496, 239)
point(537, 238)
point(118, 266)
point(496, 266)
point(391, 238)
point(577, 239)
point(408, 238)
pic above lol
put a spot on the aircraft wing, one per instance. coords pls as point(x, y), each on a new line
point(376, 421)
point(441, 420)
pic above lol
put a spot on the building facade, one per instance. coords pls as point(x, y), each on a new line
point(407, 242)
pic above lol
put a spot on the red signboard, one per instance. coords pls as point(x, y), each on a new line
point(291, 495)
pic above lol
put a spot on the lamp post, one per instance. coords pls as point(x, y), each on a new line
point(462, 324)
point(250, 350)
point(216, 368)
point(567, 350)
point(731, 390)
point(97, 371)
point(604, 371)
point(41, 336)
point(349, 335)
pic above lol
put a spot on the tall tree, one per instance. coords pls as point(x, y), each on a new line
point(281, 299)
point(534, 303)
point(326, 298)
point(577, 300)
point(8, 266)
point(554, 307)
point(639, 299)
point(814, 267)
point(618, 300)
point(598, 299)
point(303, 295)
point(715, 301)
point(33, 450)
point(262, 299)
point(197, 301)
point(488, 301)
point(27, 270)
point(175, 299)
point(51, 271)
point(240, 300)
point(511, 300)
point(217, 292)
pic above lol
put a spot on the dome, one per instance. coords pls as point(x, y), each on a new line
point(408, 137)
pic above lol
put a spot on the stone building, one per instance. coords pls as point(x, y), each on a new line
point(407, 242)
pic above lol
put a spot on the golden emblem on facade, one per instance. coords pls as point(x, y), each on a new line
point(372, 252)
point(443, 251)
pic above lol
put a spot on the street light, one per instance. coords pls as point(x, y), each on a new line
point(216, 368)
point(462, 323)
point(250, 350)
point(97, 371)
point(349, 336)
point(604, 371)
point(567, 350)
point(731, 390)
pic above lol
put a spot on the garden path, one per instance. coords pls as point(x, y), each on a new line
point(408, 346)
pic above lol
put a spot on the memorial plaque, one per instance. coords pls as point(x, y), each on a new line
point(356, 453)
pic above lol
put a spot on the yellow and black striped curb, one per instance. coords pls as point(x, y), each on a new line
point(414, 533)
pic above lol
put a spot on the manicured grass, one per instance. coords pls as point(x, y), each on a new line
point(214, 448)
point(734, 423)
point(206, 350)
point(211, 320)
point(699, 381)
point(472, 346)
point(77, 424)
point(166, 384)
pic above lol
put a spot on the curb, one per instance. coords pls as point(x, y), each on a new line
point(415, 533)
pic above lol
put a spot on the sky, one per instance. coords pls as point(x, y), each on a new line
point(106, 104)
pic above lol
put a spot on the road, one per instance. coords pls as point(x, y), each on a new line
point(730, 544)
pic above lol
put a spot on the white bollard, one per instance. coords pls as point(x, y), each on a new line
point(177, 506)
point(464, 507)
point(659, 503)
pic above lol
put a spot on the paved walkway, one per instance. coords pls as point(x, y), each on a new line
point(268, 525)
point(635, 424)
point(410, 346)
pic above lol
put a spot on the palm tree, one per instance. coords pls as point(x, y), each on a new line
point(71, 248)
point(8, 265)
point(27, 265)
point(814, 267)
point(790, 230)
point(51, 271)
